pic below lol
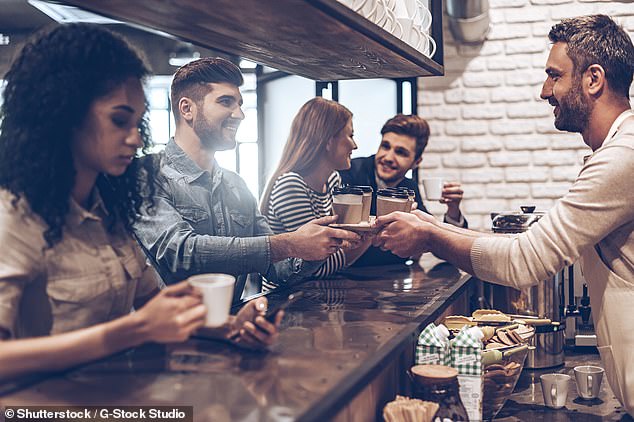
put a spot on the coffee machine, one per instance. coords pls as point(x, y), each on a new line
point(543, 301)
point(578, 312)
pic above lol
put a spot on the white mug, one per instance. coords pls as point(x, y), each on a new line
point(388, 23)
point(424, 17)
point(390, 4)
point(412, 8)
point(427, 45)
point(588, 380)
point(397, 28)
point(380, 16)
point(409, 33)
point(366, 8)
point(400, 9)
point(555, 389)
point(433, 188)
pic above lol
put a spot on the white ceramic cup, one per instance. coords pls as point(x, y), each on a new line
point(397, 29)
point(390, 4)
point(409, 33)
point(366, 8)
point(433, 188)
point(388, 23)
point(412, 8)
point(380, 11)
point(555, 389)
point(400, 9)
point(588, 380)
point(423, 19)
point(217, 290)
point(427, 44)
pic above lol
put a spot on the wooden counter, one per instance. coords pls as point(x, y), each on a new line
point(343, 349)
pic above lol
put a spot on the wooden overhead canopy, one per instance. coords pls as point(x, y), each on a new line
point(317, 39)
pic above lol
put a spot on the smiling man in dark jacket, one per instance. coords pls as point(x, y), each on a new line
point(403, 141)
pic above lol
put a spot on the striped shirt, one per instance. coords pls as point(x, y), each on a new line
point(293, 203)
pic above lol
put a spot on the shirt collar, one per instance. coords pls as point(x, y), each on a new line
point(613, 130)
point(616, 125)
point(183, 164)
point(78, 214)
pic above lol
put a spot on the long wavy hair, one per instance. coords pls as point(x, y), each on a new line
point(49, 90)
point(316, 123)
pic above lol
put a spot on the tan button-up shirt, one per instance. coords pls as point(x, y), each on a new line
point(91, 276)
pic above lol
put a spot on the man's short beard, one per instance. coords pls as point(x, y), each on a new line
point(574, 112)
point(207, 134)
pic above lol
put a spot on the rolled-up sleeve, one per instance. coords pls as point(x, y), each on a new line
point(598, 203)
point(20, 261)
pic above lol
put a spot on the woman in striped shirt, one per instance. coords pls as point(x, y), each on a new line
point(300, 189)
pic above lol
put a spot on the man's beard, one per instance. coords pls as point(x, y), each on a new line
point(211, 136)
point(574, 112)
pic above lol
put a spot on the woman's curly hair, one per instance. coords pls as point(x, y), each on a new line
point(49, 90)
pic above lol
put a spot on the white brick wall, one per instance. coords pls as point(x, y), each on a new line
point(490, 130)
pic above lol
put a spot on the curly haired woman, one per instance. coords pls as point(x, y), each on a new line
point(73, 119)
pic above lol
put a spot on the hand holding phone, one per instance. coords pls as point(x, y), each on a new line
point(272, 311)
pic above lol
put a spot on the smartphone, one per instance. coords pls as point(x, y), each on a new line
point(292, 298)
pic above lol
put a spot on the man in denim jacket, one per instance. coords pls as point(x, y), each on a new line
point(205, 218)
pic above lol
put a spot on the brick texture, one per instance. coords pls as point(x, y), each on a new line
point(490, 129)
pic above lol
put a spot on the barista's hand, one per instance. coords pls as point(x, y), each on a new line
point(423, 216)
point(452, 195)
point(315, 241)
point(250, 329)
point(172, 315)
point(402, 233)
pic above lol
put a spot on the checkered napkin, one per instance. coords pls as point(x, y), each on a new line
point(466, 353)
point(430, 350)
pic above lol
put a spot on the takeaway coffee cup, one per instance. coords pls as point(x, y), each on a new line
point(347, 203)
point(366, 202)
point(588, 380)
point(555, 389)
point(433, 188)
point(411, 196)
point(217, 290)
point(388, 201)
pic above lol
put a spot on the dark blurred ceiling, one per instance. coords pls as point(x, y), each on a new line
point(17, 16)
point(19, 19)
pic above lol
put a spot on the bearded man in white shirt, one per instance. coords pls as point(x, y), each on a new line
point(589, 73)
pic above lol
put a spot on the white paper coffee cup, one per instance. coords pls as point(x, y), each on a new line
point(217, 290)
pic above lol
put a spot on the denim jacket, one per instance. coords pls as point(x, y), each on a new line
point(204, 222)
